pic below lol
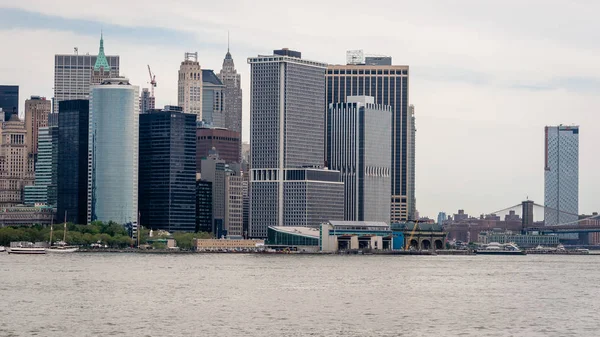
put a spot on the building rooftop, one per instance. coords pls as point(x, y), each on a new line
point(309, 232)
point(208, 76)
point(336, 223)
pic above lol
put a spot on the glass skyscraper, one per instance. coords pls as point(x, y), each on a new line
point(44, 190)
point(9, 100)
point(561, 188)
point(113, 152)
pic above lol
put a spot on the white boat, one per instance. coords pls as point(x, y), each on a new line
point(62, 249)
point(2, 249)
point(25, 248)
point(61, 246)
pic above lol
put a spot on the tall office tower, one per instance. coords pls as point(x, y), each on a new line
point(213, 171)
point(101, 70)
point(375, 76)
point(73, 126)
point(36, 116)
point(147, 102)
point(411, 142)
point(167, 180)
point(46, 169)
point(16, 165)
point(246, 203)
point(212, 98)
point(286, 139)
point(189, 86)
point(113, 152)
point(204, 206)
point(232, 105)
point(9, 100)
point(225, 142)
point(358, 145)
point(234, 203)
point(73, 75)
point(561, 188)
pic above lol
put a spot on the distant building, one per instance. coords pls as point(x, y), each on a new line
point(44, 191)
point(460, 216)
point(234, 203)
point(225, 142)
point(36, 116)
point(213, 171)
point(232, 103)
point(189, 88)
point(388, 84)
point(113, 152)
point(9, 100)
point(73, 123)
point(358, 145)
point(16, 165)
point(441, 218)
point(73, 73)
point(147, 102)
point(167, 170)
point(212, 99)
point(529, 240)
point(204, 206)
point(561, 187)
point(26, 216)
point(101, 70)
point(288, 186)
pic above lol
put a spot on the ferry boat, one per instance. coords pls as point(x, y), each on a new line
point(25, 248)
point(495, 248)
point(559, 250)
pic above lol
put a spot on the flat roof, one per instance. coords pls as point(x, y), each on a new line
point(336, 223)
point(309, 232)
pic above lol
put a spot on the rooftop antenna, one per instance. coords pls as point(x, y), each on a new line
point(76, 50)
point(228, 41)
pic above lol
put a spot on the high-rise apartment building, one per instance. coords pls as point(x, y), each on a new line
point(73, 74)
point(225, 142)
point(147, 102)
point(388, 84)
point(36, 116)
point(113, 152)
point(16, 165)
point(72, 183)
point(167, 165)
point(212, 98)
point(561, 187)
point(234, 203)
point(9, 100)
point(189, 86)
point(232, 105)
point(358, 145)
point(286, 139)
point(46, 169)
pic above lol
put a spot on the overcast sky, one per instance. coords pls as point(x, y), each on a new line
point(486, 76)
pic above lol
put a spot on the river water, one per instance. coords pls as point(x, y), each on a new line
point(289, 295)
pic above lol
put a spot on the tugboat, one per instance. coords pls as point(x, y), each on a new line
point(495, 248)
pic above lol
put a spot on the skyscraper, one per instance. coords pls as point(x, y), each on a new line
point(167, 179)
point(101, 70)
point(189, 88)
point(9, 100)
point(232, 105)
point(288, 185)
point(73, 125)
point(561, 187)
point(36, 116)
point(113, 152)
point(46, 169)
point(358, 145)
point(73, 75)
point(225, 142)
point(388, 84)
point(147, 102)
point(16, 165)
point(204, 206)
point(212, 98)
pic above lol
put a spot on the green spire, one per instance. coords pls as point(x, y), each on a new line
point(101, 61)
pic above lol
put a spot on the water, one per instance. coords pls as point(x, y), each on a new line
point(286, 295)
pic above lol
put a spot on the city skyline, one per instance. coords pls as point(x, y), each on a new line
point(488, 93)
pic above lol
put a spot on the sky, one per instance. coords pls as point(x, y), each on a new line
point(485, 76)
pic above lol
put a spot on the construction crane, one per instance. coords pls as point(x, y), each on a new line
point(152, 80)
point(412, 234)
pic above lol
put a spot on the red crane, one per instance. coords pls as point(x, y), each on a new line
point(152, 80)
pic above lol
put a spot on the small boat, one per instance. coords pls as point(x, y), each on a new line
point(2, 249)
point(25, 248)
point(61, 246)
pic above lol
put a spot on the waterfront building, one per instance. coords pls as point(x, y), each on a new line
point(9, 101)
point(358, 141)
point(73, 75)
point(16, 165)
point(287, 184)
point(232, 95)
point(421, 236)
point(225, 142)
point(167, 170)
point(147, 102)
point(73, 125)
point(189, 85)
point(217, 244)
point(36, 116)
point(204, 206)
point(528, 240)
point(26, 215)
point(212, 99)
point(561, 175)
point(388, 84)
point(44, 190)
point(113, 152)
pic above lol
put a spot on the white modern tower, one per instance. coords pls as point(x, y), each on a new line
point(189, 88)
point(561, 188)
point(113, 152)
